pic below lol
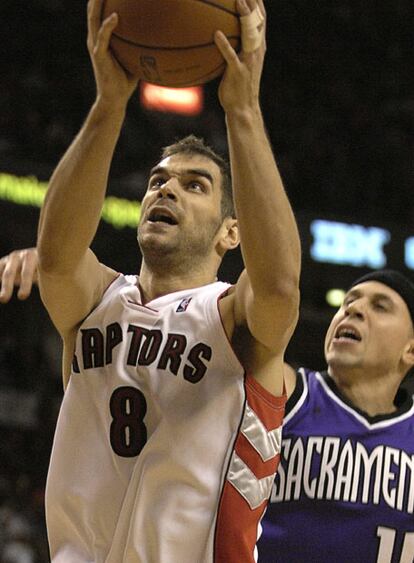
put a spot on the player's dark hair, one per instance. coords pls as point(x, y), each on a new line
point(195, 145)
point(396, 281)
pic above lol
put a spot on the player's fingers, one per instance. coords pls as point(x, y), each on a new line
point(227, 51)
point(251, 4)
point(262, 8)
point(95, 8)
point(2, 264)
point(28, 274)
point(105, 32)
point(8, 278)
point(244, 8)
point(253, 26)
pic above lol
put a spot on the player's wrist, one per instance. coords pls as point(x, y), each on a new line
point(108, 108)
point(244, 116)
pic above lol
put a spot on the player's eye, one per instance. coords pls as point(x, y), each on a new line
point(156, 182)
point(347, 301)
point(380, 306)
point(196, 187)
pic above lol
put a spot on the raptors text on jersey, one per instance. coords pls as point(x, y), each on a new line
point(164, 450)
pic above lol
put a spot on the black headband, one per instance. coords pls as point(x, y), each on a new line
point(396, 281)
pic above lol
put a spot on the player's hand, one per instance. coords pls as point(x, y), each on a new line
point(19, 268)
point(240, 86)
point(114, 85)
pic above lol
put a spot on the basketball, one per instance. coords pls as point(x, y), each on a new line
point(171, 42)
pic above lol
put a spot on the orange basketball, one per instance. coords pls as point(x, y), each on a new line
point(171, 42)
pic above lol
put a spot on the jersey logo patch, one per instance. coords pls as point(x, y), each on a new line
point(182, 307)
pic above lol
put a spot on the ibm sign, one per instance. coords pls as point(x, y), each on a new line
point(354, 245)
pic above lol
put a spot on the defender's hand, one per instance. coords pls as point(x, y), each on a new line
point(19, 268)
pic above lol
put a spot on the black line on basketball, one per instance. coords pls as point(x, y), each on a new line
point(157, 48)
point(211, 3)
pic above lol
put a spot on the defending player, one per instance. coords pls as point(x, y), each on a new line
point(165, 451)
point(18, 269)
point(345, 487)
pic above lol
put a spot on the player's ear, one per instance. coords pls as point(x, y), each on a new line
point(229, 235)
point(408, 354)
point(233, 237)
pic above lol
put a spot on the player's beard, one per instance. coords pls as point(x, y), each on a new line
point(180, 253)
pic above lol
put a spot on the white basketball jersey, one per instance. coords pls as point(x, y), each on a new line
point(159, 455)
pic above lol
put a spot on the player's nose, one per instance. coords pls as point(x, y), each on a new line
point(169, 189)
point(355, 308)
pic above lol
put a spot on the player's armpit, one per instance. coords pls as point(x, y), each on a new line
point(264, 364)
point(268, 369)
point(70, 297)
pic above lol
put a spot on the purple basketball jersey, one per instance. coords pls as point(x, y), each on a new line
point(344, 492)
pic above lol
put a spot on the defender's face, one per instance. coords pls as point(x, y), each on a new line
point(372, 329)
point(182, 205)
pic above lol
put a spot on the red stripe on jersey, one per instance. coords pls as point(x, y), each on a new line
point(236, 531)
point(243, 500)
point(251, 457)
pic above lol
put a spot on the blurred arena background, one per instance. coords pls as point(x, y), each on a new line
point(338, 98)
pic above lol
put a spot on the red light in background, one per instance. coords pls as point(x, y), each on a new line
point(186, 101)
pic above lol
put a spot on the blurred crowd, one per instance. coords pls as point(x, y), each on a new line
point(22, 529)
point(30, 395)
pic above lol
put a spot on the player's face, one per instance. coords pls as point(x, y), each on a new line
point(181, 211)
point(372, 329)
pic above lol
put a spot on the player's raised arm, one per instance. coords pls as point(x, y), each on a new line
point(267, 293)
point(71, 279)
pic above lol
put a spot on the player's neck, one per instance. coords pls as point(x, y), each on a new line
point(371, 394)
point(154, 284)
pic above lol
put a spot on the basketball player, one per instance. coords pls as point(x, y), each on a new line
point(345, 487)
point(347, 465)
point(168, 437)
point(344, 491)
